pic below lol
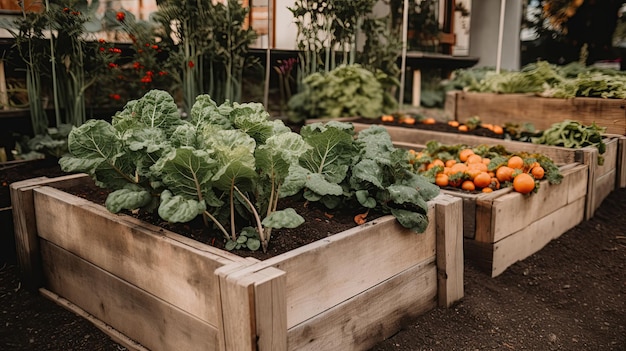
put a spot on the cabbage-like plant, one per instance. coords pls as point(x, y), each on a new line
point(231, 163)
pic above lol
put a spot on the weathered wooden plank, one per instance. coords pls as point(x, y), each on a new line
point(25, 226)
point(123, 306)
point(271, 309)
point(535, 236)
point(167, 265)
point(238, 310)
point(449, 223)
point(113, 333)
point(370, 316)
point(604, 185)
point(514, 211)
point(541, 112)
point(621, 163)
point(323, 262)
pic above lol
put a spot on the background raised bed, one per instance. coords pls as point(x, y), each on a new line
point(541, 112)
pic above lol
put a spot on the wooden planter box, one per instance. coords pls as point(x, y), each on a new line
point(541, 112)
point(602, 179)
point(503, 227)
point(167, 292)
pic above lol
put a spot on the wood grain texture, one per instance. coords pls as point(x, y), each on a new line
point(25, 225)
point(332, 264)
point(621, 163)
point(541, 112)
point(372, 315)
point(449, 220)
point(152, 322)
point(535, 236)
point(167, 265)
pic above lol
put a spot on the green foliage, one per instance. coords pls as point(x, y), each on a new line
point(542, 78)
point(348, 90)
point(231, 164)
point(573, 134)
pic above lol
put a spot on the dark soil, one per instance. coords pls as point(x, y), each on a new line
point(569, 296)
point(439, 126)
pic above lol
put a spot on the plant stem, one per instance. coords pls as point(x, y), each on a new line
point(260, 230)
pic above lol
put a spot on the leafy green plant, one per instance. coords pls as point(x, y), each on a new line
point(230, 164)
point(573, 134)
point(348, 90)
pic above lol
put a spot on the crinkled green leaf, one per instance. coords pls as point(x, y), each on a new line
point(375, 143)
point(368, 171)
point(415, 221)
point(287, 218)
point(148, 139)
point(185, 135)
point(206, 111)
point(177, 209)
point(319, 185)
point(365, 199)
point(295, 181)
point(331, 153)
point(129, 198)
point(187, 172)
point(401, 194)
point(92, 143)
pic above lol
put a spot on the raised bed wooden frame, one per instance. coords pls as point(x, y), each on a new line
point(168, 292)
point(602, 178)
point(541, 112)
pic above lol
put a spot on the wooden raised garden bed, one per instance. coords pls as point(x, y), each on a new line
point(541, 112)
point(602, 179)
point(168, 292)
point(503, 227)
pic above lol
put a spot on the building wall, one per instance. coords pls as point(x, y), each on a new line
point(484, 31)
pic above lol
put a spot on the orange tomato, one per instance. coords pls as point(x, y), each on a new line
point(450, 163)
point(524, 183)
point(472, 173)
point(465, 153)
point(486, 160)
point(482, 180)
point(498, 130)
point(429, 121)
point(408, 120)
point(458, 167)
point(468, 185)
point(537, 172)
point(487, 190)
point(477, 166)
point(453, 124)
point(487, 125)
point(474, 159)
point(387, 118)
point(441, 179)
point(504, 174)
point(516, 162)
point(463, 128)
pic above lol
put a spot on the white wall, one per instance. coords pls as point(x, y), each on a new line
point(286, 30)
point(484, 33)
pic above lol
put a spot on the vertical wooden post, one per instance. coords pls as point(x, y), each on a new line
point(449, 222)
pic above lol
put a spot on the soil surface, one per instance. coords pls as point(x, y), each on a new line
point(569, 296)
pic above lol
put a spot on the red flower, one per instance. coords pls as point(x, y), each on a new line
point(102, 49)
point(191, 64)
point(115, 96)
point(162, 73)
point(101, 41)
point(146, 79)
point(66, 10)
point(120, 16)
point(149, 74)
point(112, 65)
point(136, 65)
point(155, 47)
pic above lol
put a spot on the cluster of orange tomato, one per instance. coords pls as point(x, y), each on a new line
point(464, 127)
point(471, 172)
